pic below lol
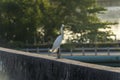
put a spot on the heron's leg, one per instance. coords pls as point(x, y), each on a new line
point(58, 53)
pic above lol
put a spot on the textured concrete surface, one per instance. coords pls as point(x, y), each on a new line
point(30, 66)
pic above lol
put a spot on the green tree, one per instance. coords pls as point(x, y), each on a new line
point(81, 15)
point(19, 20)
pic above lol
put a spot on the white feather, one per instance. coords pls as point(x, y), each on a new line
point(58, 41)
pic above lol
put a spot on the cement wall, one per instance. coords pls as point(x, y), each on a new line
point(18, 65)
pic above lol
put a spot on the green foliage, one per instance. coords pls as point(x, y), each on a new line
point(20, 19)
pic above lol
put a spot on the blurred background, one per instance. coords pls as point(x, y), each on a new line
point(36, 23)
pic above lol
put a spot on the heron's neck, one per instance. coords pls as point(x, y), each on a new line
point(62, 33)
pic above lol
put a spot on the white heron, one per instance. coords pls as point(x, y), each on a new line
point(58, 41)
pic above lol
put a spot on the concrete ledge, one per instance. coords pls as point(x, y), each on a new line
point(63, 68)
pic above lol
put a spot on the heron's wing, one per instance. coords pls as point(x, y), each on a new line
point(56, 43)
